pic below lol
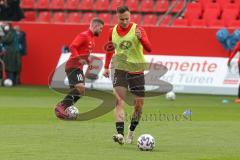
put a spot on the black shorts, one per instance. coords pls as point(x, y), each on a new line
point(133, 82)
point(75, 76)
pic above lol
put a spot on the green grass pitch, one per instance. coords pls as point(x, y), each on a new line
point(30, 131)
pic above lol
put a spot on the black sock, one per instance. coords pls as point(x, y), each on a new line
point(133, 125)
point(120, 127)
point(72, 97)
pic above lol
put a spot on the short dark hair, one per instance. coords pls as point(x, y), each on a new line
point(122, 9)
point(97, 20)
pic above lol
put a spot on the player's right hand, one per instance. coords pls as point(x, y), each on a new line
point(106, 73)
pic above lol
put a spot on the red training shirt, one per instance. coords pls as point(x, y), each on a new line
point(80, 48)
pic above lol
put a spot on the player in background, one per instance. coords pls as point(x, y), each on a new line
point(233, 53)
point(129, 40)
point(80, 49)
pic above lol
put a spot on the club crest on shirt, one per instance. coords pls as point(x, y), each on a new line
point(124, 45)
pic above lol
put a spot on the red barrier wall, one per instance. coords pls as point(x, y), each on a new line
point(45, 41)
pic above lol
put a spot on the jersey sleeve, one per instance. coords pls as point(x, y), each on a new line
point(109, 49)
point(233, 53)
point(77, 42)
point(144, 40)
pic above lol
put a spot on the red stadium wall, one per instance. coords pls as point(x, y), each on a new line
point(45, 41)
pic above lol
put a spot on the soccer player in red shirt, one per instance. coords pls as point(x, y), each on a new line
point(233, 53)
point(80, 49)
point(129, 40)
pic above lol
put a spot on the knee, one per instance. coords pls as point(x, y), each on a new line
point(139, 104)
point(80, 88)
point(119, 102)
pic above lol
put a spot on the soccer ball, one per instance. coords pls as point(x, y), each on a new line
point(8, 83)
point(73, 112)
point(146, 142)
point(171, 96)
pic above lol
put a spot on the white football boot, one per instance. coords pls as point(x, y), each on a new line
point(129, 139)
point(119, 139)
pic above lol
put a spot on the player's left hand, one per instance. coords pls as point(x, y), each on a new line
point(138, 33)
point(106, 73)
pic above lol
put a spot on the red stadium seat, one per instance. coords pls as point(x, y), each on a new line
point(136, 18)
point(234, 24)
point(101, 5)
point(132, 5)
point(166, 21)
point(72, 4)
point(237, 2)
point(43, 4)
point(161, 6)
point(192, 14)
point(149, 20)
point(213, 6)
point(114, 4)
point(229, 15)
point(193, 10)
point(86, 5)
point(86, 19)
point(59, 17)
point(211, 14)
point(44, 16)
point(27, 4)
point(218, 23)
point(114, 19)
point(147, 6)
point(231, 6)
point(198, 23)
point(224, 3)
point(181, 22)
point(30, 16)
point(74, 17)
point(106, 17)
point(206, 2)
point(178, 6)
point(194, 6)
point(57, 4)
